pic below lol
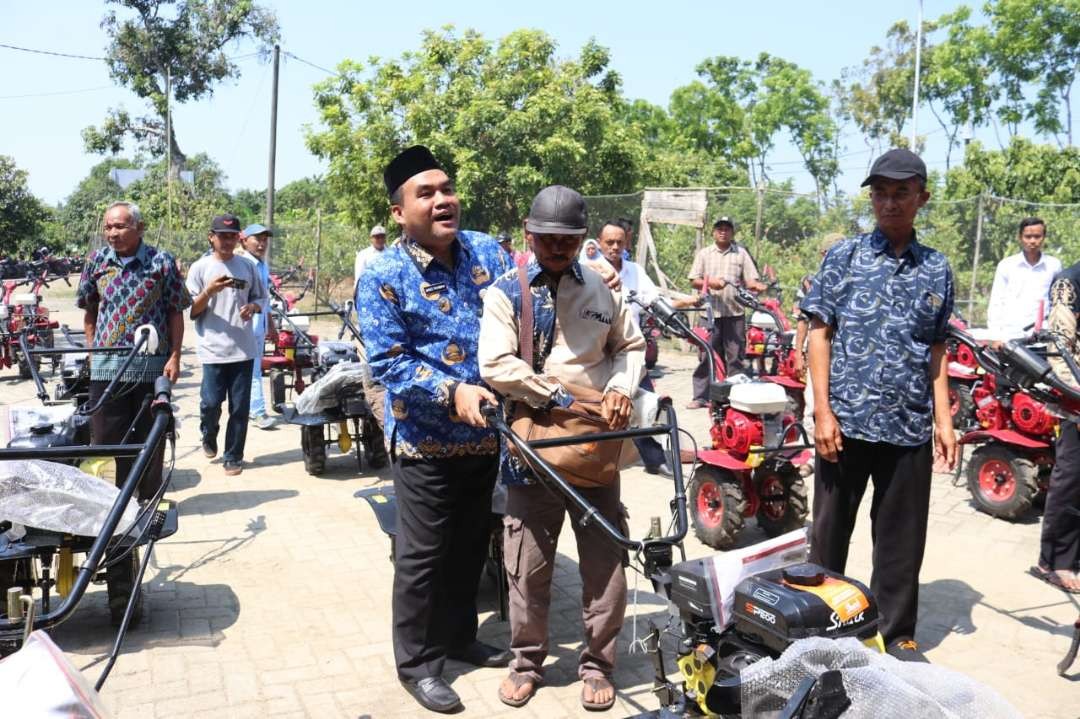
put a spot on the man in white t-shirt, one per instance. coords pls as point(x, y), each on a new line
point(370, 253)
point(1021, 284)
point(613, 244)
point(227, 292)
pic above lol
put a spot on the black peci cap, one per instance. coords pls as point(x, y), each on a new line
point(409, 162)
point(558, 210)
point(897, 164)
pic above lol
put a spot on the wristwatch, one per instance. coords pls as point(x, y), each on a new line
point(561, 398)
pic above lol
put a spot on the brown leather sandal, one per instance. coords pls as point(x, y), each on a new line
point(597, 684)
point(518, 680)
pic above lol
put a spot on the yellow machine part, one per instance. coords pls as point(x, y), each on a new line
point(876, 642)
point(344, 439)
point(65, 572)
point(756, 455)
point(698, 674)
point(102, 467)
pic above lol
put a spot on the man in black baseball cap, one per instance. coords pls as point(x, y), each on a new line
point(227, 292)
point(418, 308)
point(896, 164)
point(878, 408)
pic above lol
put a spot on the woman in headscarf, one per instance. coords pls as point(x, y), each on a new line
point(590, 252)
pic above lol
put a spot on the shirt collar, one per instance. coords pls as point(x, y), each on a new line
point(423, 258)
point(1021, 260)
point(533, 270)
point(733, 247)
point(880, 243)
point(141, 255)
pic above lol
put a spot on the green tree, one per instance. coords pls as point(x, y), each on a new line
point(959, 77)
point(738, 109)
point(505, 118)
point(189, 46)
point(21, 213)
point(1037, 43)
point(81, 213)
point(877, 96)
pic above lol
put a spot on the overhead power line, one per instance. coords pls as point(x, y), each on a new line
point(306, 62)
point(50, 52)
point(58, 92)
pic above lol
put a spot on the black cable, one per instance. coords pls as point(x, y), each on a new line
point(60, 92)
point(51, 52)
point(317, 67)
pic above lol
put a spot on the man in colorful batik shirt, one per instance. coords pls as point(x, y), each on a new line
point(123, 286)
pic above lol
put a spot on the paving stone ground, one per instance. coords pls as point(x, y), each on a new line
point(273, 599)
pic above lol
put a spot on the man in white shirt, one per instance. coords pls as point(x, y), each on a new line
point(1021, 283)
point(226, 292)
point(613, 244)
point(370, 253)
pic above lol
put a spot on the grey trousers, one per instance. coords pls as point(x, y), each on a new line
point(534, 518)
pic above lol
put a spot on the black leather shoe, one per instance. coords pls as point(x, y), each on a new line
point(482, 655)
point(432, 693)
point(662, 469)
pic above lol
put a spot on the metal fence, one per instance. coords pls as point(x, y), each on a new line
point(784, 230)
point(780, 229)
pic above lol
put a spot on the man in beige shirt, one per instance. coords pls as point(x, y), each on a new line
point(724, 266)
point(583, 336)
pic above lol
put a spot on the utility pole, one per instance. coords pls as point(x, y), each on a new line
point(168, 144)
point(975, 259)
point(757, 221)
point(918, 67)
point(318, 253)
point(273, 150)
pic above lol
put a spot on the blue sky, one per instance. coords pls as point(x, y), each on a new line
point(654, 47)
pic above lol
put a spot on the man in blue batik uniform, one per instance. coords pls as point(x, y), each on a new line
point(879, 308)
point(419, 309)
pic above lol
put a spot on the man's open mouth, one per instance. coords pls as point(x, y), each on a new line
point(444, 216)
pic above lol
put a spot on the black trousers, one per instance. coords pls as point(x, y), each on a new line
point(898, 516)
point(1060, 546)
point(443, 529)
point(728, 338)
point(110, 424)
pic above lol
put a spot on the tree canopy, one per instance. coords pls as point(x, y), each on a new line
point(179, 41)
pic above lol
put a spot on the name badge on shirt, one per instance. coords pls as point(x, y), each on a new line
point(595, 316)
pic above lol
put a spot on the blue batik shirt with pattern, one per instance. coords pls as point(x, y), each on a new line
point(512, 469)
point(126, 296)
point(421, 324)
point(885, 312)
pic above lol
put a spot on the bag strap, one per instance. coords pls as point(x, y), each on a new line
point(525, 322)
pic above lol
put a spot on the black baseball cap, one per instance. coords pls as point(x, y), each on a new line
point(558, 210)
point(897, 164)
point(724, 220)
point(224, 224)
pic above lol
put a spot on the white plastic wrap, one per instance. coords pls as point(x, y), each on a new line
point(57, 497)
point(39, 681)
point(879, 686)
point(323, 393)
